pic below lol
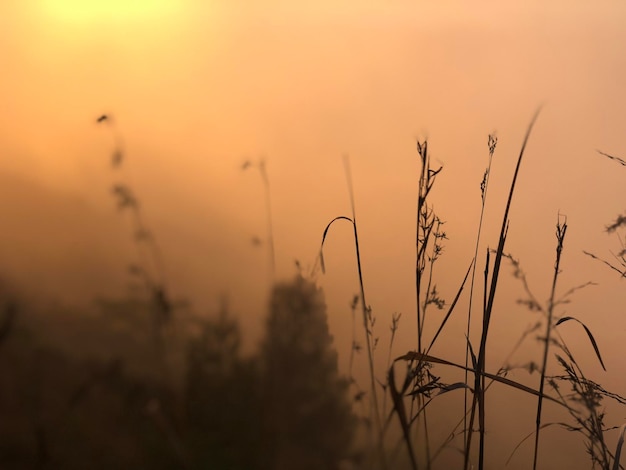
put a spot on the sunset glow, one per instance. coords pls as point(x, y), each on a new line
point(81, 12)
point(219, 128)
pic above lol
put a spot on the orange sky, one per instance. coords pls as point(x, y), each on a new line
point(198, 87)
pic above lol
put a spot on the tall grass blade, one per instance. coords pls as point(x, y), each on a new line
point(364, 307)
point(560, 236)
point(618, 447)
point(492, 293)
point(491, 142)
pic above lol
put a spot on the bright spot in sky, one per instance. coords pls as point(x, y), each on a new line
point(81, 12)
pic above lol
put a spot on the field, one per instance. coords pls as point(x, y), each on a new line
point(144, 380)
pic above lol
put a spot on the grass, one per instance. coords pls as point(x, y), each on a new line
point(261, 165)
point(368, 319)
point(422, 384)
point(218, 417)
point(149, 268)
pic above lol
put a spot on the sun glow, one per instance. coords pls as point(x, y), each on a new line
point(84, 12)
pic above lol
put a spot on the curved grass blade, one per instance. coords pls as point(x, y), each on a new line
point(341, 217)
point(591, 338)
point(416, 356)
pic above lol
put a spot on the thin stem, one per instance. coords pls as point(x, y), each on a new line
point(366, 315)
point(560, 236)
point(491, 142)
point(492, 293)
point(268, 207)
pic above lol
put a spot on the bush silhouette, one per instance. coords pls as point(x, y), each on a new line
point(308, 418)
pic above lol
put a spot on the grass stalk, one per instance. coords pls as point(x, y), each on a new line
point(492, 141)
point(366, 311)
point(268, 208)
point(560, 237)
point(395, 321)
point(478, 386)
point(366, 315)
point(268, 211)
point(479, 377)
point(427, 228)
point(426, 220)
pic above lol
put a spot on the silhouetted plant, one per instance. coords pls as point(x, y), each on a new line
point(69, 399)
point(368, 323)
point(614, 227)
point(148, 269)
point(222, 392)
point(268, 208)
point(308, 419)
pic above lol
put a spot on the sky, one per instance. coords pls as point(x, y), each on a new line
point(196, 88)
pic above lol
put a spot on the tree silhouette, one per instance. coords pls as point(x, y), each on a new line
point(221, 398)
point(307, 415)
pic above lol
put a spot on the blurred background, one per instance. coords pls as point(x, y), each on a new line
point(193, 90)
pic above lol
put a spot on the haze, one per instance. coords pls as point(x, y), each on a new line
point(195, 89)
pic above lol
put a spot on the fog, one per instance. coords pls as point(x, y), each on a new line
point(192, 90)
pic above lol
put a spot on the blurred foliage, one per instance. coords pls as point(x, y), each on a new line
point(105, 389)
point(222, 398)
point(308, 418)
